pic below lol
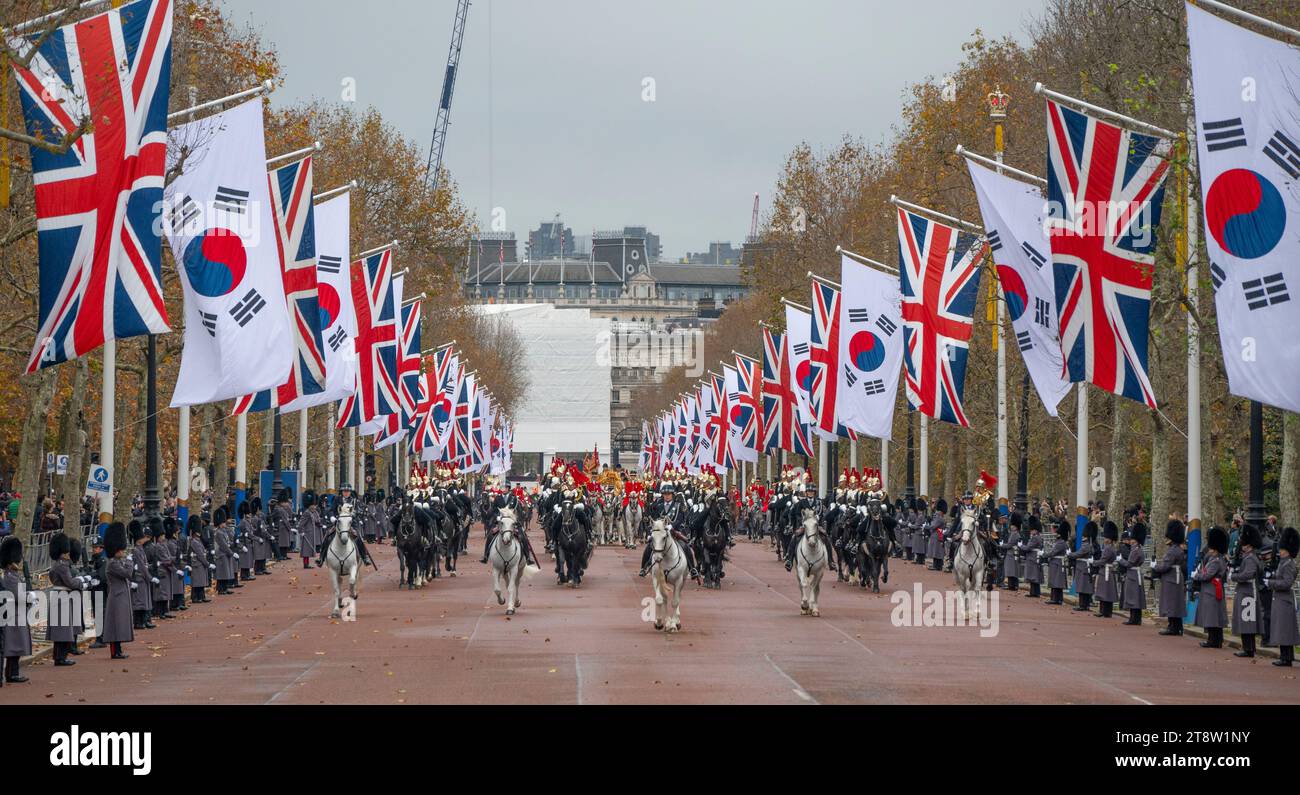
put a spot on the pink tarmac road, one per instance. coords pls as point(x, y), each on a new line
point(272, 642)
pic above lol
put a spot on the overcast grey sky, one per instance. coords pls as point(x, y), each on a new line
point(549, 113)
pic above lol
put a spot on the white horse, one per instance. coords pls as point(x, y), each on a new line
point(343, 559)
point(668, 570)
point(509, 563)
point(968, 565)
point(631, 522)
point(811, 559)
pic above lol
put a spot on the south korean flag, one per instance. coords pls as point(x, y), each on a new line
point(218, 222)
point(871, 349)
point(1248, 139)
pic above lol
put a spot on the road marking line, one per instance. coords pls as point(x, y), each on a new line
point(823, 622)
point(1098, 682)
point(798, 690)
point(296, 680)
point(577, 670)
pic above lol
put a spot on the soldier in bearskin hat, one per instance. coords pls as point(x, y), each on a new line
point(223, 552)
point(197, 564)
point(141, 587)
point(1170, 570)
point(1282, 621)
point(1057, 563)
point(17, 642)
point(1133, 597)
point(1031, 551)
point(1008, 545)
point(177, 587)
point(161, 567)
point(1245, 600)
point(1106, 588)
point(118, 627)
point(65, 609)
point(1081, 559)
point(1211, 610)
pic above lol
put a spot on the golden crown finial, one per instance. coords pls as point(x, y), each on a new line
point(999, 101)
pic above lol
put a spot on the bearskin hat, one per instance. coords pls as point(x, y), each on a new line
point(255, 504)
point(1016, 520)
point(135, 530)
point(115, 539)
point(941, 505)
point(379, 495)
point(1090, 531)
point(169, 527)
point(60, 545)
point(1218, 540)
point(308, 498)
point(286, 495)
point(1290, 541)
point(1035, 524)
point(11, 552)
point(1250, 535)
point(1175, 532)
point(154, 527)
point(220, 516)
point(1139, 532)
point(1110, 531)
point(76, 549)
point(242, 510)
point(194, 526)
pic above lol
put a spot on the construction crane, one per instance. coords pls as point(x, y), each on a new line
point(753, 221)
point(433, 171)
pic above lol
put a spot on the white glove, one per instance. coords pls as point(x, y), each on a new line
point(188, 569)
point(212, 567)
point(130, 556)
point(31, 597)
point(94, 582)
point(557, 509)
point(135, 585)
point(154, 580)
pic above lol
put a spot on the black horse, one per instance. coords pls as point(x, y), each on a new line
point(875, 534)
point(712, 545)
point(571, 547)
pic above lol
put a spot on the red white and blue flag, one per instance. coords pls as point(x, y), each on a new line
point(719, 423)
point(939, 274)
point(295, 237)
point(746, 401)
point(98, 204)
point(1105, 188)
point(376, 342)
point(783, 428)
point(398, 426)
point(824, 361)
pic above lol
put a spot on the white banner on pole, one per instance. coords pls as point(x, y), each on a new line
point(871, 349)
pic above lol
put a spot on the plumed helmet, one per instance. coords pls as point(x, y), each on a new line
point(1175, 532)
point(60, 545)
point(1016, 520)
point(1110, 531)
point(1250, 535)
point(1090, 531)
point(1218, 540)
point(115, 539)
point(11, 551)
point(195, 525)
point(220, 516)
point(1290, 541)
point(1139, 532)
point(135, 530)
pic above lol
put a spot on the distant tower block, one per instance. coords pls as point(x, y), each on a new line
point(626, 254)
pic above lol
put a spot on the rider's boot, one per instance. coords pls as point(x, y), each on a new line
point(645, 561)
point(487, 547)
point(690, 562)
point(789, 550)
point(320, 558)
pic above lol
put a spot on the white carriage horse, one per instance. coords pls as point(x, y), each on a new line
point(811, 558)
point(968, 565)
point(668, 570)
point(631, 521)
point(509, 563)
point(343, 559)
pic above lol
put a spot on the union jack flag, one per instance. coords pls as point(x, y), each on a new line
point(824, 359)
point(409, 368)
point(719, 424)
point(422, 433)
point(376, 342)
point(98, 203)
point(435, 401)
point(1105, 188)
point(295, 237)
point(748, 410)
point(940, 278)
point(782, 428)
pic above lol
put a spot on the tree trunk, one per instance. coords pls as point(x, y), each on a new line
point(221, 458)
point(1160, 488)
point(129, 477)
point(951, 462)
point(1289, 479)
point(972, 469)
point(31, 458)
point(1119, 456)
point(72, 435)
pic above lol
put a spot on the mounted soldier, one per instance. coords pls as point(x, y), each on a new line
point(673, 513)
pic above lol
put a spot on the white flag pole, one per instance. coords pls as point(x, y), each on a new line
point(183, 459)
point(884, 464)
point(352, 461)
point(264, 88)
point(107, 413)
point(1081, 457)
point(302, 449)
point(331, 456)
point(241, 452)
point(1190, 244)
point(925, 457)
point(306, 150)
